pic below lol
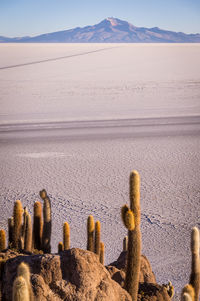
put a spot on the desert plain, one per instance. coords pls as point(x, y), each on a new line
point(75, 119)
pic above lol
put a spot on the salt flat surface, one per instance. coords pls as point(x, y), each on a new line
point(98, 81)
point(75, 119)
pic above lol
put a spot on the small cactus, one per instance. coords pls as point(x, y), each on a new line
point(28, 234)
point(189, 290)
point(20, 290)
point(17, 227)
point(90, 233)
point(43, 194)
point(97, 237)
point(24, 271)
point(131, 219)
point(46, 234)
point(10, 231)
point(37, 225)
point(125, 243)
point(60, 247)
point(2, 240)
point(195, 273)
point(66, 236)
point(102, 251)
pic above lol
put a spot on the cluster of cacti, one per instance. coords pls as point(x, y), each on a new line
point(22, 289)
point(21, 236)
point(191, 290)
point(94, 243)
point(131, 220)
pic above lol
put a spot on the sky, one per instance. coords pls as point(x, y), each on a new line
point(33, 17)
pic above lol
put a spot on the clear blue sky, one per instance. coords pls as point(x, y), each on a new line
point(32, 17)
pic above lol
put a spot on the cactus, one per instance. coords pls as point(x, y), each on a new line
point(43, 194)
point(97, 237)
point(46, 234)
point(2, 240)
point(17, 227)
point(10, 231)
point(125, 243)
point(24, 271)
point(131, 219)
point(20, 290)
point(90, 233)
point(60, 247)
point(25, 214)
point(28, 234)
point(186, 297)
point(66, 236)
point(189, 290)
point(37, 225)
point(195, 273)
point(102, 250)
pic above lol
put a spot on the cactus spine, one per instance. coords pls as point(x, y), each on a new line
point(195, 273)
point(20, 290)
point(28, 234)
point(17, 227)
point(102, 251)
point(2, 240)
point(131, 219)
point(66, 236)
point(125, 244)
point(46, 235)
point(60, 247)
point(97, 237)
point(37, 225)
point(10, 231)
point(90, 233)
point(24, 271)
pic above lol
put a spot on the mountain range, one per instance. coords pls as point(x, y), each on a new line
point(110, 30)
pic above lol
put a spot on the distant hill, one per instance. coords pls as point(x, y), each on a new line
point(110, 30)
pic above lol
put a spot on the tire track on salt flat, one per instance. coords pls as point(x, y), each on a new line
point(55, 59)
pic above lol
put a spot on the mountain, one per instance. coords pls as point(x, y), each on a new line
point(110, 30)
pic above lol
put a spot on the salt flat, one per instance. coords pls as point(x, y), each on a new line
point(75, 119)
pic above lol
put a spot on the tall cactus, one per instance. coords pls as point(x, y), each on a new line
point(186, 297)
point(17, 227)
point(2, 240)
point(90, 233)
point(25, 214)
point(46, 235)
point(97, 237)
point(20, 290)
point(131, 220)
point(37, 225)
point(10, 231)
point(28, 234)
point(66, 236)
point(24, 271)
point(195, 273)
point(102, 253)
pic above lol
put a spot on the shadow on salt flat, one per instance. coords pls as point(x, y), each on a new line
point(42, 155)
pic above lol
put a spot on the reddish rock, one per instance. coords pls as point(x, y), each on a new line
point(146, 273)
point(72, 275)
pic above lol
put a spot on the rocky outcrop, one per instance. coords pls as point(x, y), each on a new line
point(72, 275)
point(117, 269)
